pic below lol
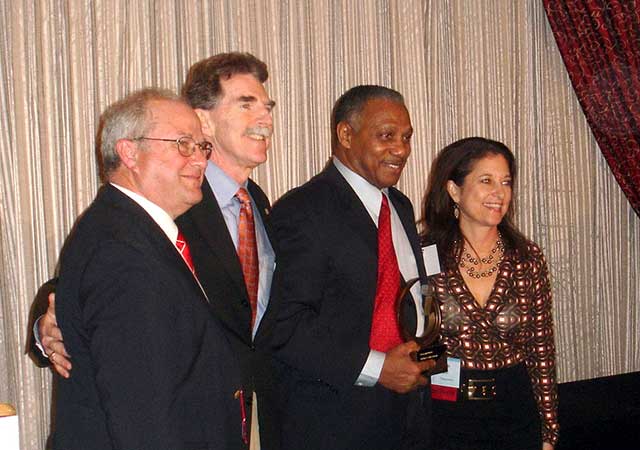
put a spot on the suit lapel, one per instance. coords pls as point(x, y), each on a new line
point(259, 197)
point(359, 220)
point(355, 215)
point(158, 242)
point(405, 212)
point(208, 218)
point(262, 205)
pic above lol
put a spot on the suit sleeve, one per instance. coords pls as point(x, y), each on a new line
point(309, 293)
point(38, 309)
point(131, 331)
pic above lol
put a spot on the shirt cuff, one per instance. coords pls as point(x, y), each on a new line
point(36, 336)
point(371, 370)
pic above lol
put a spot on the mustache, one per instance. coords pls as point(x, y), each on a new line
point(260, 131)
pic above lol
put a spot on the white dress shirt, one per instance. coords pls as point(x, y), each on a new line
point(371, 198)
point(159, 215)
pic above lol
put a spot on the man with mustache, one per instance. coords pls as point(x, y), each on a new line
point(234, 262)
point(345, 240)
point(228, 94)
point(153, 368)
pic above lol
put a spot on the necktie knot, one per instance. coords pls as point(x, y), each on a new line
point(183, 248)
point(180, 242)
point(384, 215)
point(243, 197)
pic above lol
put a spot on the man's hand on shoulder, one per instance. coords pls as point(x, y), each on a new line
point(400, 373)
point(51, 339)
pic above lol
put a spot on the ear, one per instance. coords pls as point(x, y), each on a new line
point(345, 133)
point(454, 191)
point(127, 151)
point(206, 123)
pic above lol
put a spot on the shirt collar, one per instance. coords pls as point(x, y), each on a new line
point(369, 195)
point(159, 215)
point(223, 186)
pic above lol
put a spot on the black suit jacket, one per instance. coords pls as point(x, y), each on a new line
point(324, 286)
point(152, 366)
point(219, 270)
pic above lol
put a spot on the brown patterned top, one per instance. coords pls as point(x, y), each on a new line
point(514, 326)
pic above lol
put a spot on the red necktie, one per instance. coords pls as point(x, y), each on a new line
point(385, 333)
point(183, 248)
point(248, 250)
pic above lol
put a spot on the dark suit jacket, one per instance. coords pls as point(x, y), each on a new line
point(218, 267)
point(152, 366)
point(324, 286)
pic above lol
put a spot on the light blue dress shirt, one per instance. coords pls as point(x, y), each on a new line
point(224, 189)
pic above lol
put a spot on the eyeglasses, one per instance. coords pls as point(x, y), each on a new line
point(186, 145)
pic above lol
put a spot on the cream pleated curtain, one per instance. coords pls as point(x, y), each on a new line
point(466, 67)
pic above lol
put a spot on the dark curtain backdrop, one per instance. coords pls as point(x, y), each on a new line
point(600, 44)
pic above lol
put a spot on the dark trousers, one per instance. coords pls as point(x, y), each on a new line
point(510, 421)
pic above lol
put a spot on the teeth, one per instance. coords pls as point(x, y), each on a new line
point(258, 133)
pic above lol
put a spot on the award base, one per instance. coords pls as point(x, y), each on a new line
point(435, 352)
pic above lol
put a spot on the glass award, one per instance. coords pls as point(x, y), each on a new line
point(409, 319)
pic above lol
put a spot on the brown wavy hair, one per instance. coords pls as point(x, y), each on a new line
point(454, 162)
point(202, 88)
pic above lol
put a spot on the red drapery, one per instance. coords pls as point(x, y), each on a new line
point(600, 44)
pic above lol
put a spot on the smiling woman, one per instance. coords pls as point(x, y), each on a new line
point(495, 300)
point(484, 197)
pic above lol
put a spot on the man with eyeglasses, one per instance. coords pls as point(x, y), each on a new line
point(152, 367)
point(228, 232)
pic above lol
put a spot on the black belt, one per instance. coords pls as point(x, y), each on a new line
point(487, 384)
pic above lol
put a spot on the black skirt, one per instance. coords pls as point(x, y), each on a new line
point(508, 421)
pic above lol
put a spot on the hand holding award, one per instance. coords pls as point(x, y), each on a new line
point(430, 347)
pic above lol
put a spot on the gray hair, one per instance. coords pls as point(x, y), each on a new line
point(128, 118)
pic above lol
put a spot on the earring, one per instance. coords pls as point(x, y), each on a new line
point(456, 211)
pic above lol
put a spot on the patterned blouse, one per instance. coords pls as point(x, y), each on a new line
point(514, 326)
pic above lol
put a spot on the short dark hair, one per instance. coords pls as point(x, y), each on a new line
point(455, 162)
point(202, 87)
point(350, 104)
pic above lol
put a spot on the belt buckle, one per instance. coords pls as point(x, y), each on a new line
point(481, 389)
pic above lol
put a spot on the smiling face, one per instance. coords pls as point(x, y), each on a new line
point(159, 172)
point(485, 194)
point(376, 146)
point(239, 126)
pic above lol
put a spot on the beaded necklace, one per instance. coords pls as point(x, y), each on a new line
point(472, 265)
